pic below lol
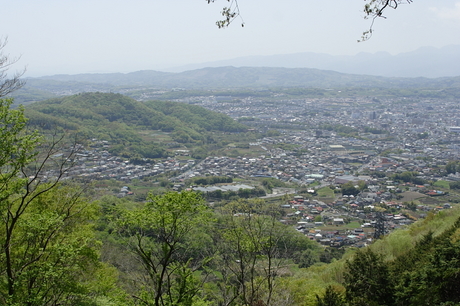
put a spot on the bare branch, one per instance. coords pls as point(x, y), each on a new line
point(8, 85)
point(375, 9)
point(229, 13)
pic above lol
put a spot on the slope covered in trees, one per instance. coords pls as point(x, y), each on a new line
point(119, 120)
point(49, 254)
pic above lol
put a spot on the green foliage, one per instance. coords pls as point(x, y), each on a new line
point(429, 273)
point(200, 153)
point(270, 183)
point(454, 185)
point(424, 272)
point(411, 205)
point(367, 280)
point(349, 189)
point(54, 244)
point(442, 184)
point(17, 148)
point(408, 177)
point(119, 120)
point(197, 117)
point(232, 195)
point(161, 236)
point(254, 249)
point(287, 146)
point(423, 135)
point(331, 298)
point(272, 133)
point(378, 174)
point(325, 192)
point(48, 251)
point(453, 167)
point(251, 256)
point(330, 254)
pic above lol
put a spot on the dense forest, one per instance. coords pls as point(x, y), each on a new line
point(128, 124)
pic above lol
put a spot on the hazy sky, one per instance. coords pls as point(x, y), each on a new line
point(88, 36)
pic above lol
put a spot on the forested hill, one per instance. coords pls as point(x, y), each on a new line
point(127, 123)
point(219, 78)
point(241, 77)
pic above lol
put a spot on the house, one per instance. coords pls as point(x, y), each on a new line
point(338, 221)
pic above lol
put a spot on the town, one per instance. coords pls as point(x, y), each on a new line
point(313, 145)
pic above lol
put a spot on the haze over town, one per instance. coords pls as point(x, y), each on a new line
point(72, 37)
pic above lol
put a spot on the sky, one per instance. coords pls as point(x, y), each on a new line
point(101, 36)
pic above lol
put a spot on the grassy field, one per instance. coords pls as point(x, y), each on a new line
point(325, 194)
point(442, 184)
point(410, 196)
point(158, 136)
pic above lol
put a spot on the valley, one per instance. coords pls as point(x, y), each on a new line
point(300, 182)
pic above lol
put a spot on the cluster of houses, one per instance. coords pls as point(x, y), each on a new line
point(327, 222)
point(335, 134)
point(331, 141)
point(96, 163)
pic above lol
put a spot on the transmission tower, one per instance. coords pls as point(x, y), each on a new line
point(379, 225)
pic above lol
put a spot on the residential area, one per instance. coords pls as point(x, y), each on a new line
point(318, 145)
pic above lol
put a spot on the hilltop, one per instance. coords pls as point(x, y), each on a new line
point(130, 126)
point(427, 62)
point(149, 84)
point(242, 77)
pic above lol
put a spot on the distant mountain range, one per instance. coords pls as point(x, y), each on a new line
point(233, 77)
point(360, 71)
point(427, 62)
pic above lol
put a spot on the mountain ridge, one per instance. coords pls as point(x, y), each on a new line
point(428, 62)
point(245, 77)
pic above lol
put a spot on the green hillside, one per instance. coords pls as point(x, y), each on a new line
point(129, 125)
point(417, 265)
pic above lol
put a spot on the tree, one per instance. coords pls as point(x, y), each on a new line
point(8, 85)
point(429, 274)
point(362, 185)
point(49, 255)
point(367, 280)
point(437, 281)
point(349, 189)
point(161, 236)
point(47, 250)
point(452, 167)
point(331, 298)
point(253, 245)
